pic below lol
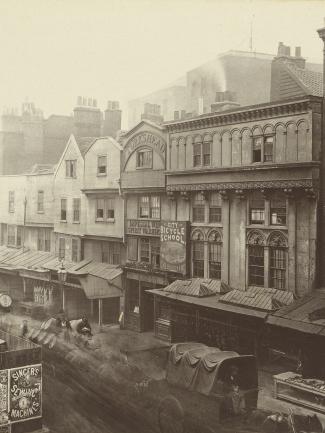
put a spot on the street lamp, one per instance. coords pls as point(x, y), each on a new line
point(62, 276)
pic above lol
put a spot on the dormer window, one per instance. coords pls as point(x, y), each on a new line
point(102, 165)
point(144, 158)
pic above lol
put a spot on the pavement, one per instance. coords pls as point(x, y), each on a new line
point(149, 354)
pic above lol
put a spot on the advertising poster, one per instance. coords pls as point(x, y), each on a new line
point(173, 244)
point(3, 398)
point(25, 392)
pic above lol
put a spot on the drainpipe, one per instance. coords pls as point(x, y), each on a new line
point(321, 256)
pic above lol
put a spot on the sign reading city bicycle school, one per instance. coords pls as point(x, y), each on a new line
point(173, 246)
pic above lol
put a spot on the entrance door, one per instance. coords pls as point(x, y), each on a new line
point(148, 311)
point(111, 310)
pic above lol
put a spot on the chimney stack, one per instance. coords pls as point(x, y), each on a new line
point(152, 113)
point(112, 120)
point(224, 101)
point(176, 115)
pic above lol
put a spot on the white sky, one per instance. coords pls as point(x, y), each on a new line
point(54, 50)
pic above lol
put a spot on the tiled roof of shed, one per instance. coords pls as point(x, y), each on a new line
point(312, 81)
point(260, 298)
point(197, 287)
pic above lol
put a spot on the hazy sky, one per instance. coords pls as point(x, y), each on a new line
point(54, 50)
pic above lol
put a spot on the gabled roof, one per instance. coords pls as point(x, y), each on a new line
point(140, 124)
point(197, 287)
point(84, 144)
point(110, 139)
point(310, 81)
point(41, 169)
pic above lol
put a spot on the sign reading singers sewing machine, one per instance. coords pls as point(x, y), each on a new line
point(25, 393)
point(173, 245)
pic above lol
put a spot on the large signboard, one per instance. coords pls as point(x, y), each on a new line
point(145, 139)
point(173, 246)
point(143, 227)
point(25, 393)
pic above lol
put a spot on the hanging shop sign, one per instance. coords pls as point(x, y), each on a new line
point(143, 227)
point(25, 393)
point(173, 246)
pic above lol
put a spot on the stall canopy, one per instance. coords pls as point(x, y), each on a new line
point(98, 280)
point(204, 369)
point(305, 315)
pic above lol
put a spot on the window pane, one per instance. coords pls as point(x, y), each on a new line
point(197, 154)
point(144, 158)
point(278, 211)
point(198, 259)
point(155, 207)
point(102, 165)
point(257, 212)
point(74, 250)
point(100, 209)
point(206, 153)
point(155, 252)
point(76, 209)
point(110, 208)
point(256, 265)
point(278, 265)
point(144, 211)
point(132, 249)
point(61, 248)
point(198, 214)
point(63, 209)
point(268, 149)
point(47, 240)
point(215, 250)
point(257, 149)
point(144, 250)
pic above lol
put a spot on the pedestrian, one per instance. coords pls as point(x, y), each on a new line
point(24, 329)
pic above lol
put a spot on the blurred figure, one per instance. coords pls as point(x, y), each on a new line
point(24, 329)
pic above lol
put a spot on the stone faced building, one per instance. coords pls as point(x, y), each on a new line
point(248, 182)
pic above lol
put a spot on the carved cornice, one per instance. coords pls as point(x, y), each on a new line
point(309, 185)
point(245, 114)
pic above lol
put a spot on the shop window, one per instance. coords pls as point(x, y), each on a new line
point(76, 210)
point(11, 201)
point(144, 158)
point(198, 258)
point(215, 204)
point(63, 209)
point(149, 207)
point(40, 201)
point(278, 210)
point(144, 250)
point(207, 153)
point(197, 149)
point(61, 248)
point(198, 208)
point(111, 253)
point(278, 267)
point(215, 256)
point(256, 265)
point(71, 168)
point(74, 250)
point(132, 249)
point(102, 165)
point(257, 209)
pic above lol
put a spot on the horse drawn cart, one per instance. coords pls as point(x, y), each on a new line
point(208, 390)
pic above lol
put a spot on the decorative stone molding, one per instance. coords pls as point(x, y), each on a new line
point(214, 236)
point(197, 235)
point(240, 194)
point(267, 237)
point(171, 195)
point(277, 239)
point(256, 237)
point(184, 194)
point(303, 184)
point(206, 234)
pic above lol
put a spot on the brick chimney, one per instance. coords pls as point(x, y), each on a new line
point(112, 119)
point(152, 113)
point(284, 54)
point(87, 118)
point(224, 101)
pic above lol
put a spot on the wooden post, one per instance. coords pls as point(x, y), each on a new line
point(24, 287)
point(63, 298)
point(100, 312)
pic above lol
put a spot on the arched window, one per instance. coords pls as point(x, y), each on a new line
point(215, 255)
point(198, 254)
point(256, 244)
point(207, 150)
point(278, 261)
point(197, 151)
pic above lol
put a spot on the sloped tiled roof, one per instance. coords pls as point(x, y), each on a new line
point(41, 169)
point(311, 81)
point(84, 143)
point(197, 287)
point(260, 298)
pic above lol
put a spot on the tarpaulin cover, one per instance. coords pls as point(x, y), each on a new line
point(197, 367)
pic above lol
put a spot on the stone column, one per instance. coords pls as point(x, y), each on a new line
point(292, 247)
point(226, 236)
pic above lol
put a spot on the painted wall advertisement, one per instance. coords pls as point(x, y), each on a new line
point(25, 393)
point(173, 245)
point(20, 395)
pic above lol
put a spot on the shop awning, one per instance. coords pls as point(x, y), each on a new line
point(305, 315)
point(211, 302)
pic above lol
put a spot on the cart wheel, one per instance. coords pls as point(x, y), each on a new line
point(171, 416)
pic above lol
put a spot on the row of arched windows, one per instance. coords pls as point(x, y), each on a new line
point(271, 143)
